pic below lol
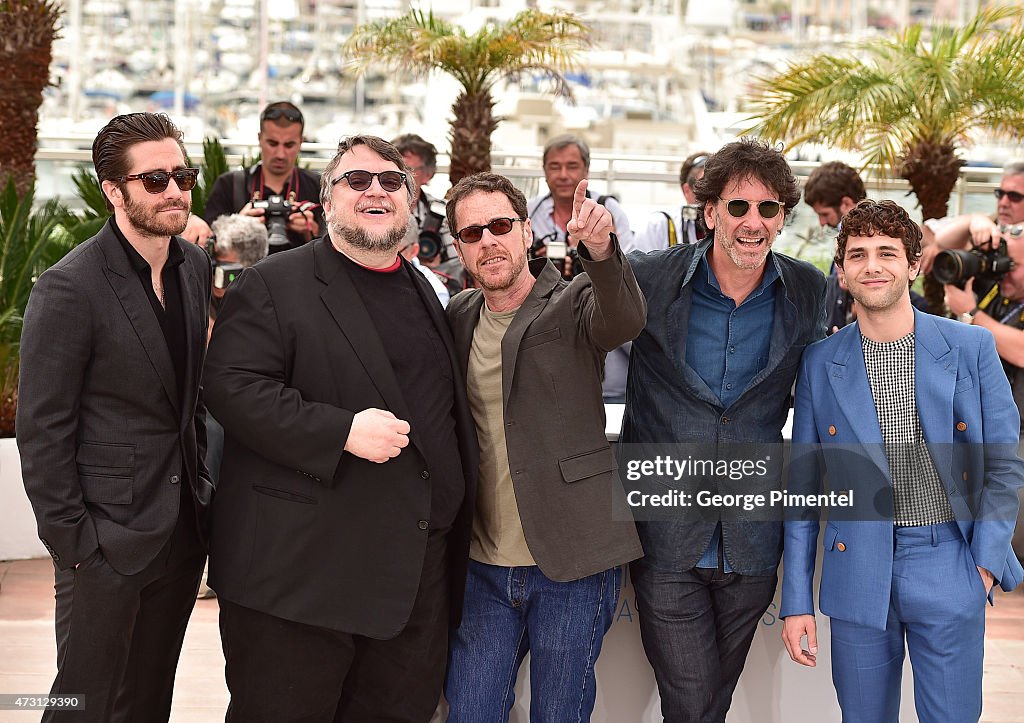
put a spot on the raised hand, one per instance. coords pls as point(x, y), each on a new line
point(591, 223)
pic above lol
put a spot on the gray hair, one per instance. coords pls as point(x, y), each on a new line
point(564, 141)
point(245, 235)
point(1014, 168)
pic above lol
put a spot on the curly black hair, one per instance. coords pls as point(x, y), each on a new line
point(748, 158)
point(879, 218)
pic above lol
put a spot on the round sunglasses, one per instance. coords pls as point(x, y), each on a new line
point(156, 181)
point(738, 208)
point(390, 181)
point(497, 227)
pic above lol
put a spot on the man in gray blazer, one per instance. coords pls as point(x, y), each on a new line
point(544, 552)
point(111, 431)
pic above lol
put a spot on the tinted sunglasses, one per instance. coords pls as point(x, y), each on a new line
point(156, 181)
point(497, 227)
point(738, 208)
point(290, 114)
point(1014, 196)
point(390, 181)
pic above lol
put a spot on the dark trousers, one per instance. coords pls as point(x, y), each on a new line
point(696, 627)
point(119, 636)
point(279, 670)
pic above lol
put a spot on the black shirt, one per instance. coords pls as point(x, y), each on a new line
point(170, 316)
point(424, 372)
point(226, 199)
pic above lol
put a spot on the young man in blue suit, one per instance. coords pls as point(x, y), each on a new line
point(912, 415)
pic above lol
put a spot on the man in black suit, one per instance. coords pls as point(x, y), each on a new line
point(341, 527)
point(111, 431)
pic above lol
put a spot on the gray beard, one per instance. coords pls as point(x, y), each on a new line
point(360, 239)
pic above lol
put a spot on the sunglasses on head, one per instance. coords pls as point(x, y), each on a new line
point(497, 227)
point(290, 114)
point(156, 181)
point(390, 181)
point(1014, 196)
point(738, 208)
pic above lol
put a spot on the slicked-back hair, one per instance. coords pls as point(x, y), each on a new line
point(748, 158)
point(379, 146)
point(693, 163)
point(281, 121)
point(879, 218)
point(115, 139)
point(564, 141)
point(418, 146)
point(245, 235)
point(484, 183)
point(830, 182)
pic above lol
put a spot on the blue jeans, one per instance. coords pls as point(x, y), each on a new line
point(510, 611)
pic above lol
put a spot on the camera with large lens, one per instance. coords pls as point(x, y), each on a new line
point(431, 243)
point(954, 266)
point(695, 213)
point(225, 273)
point(276, 210)
point(554, 249)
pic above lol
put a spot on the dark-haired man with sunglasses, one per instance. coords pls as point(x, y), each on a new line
point(341, 529)
point(260, 190)
point(710, 377)
point(111, 431)
point(545, 550)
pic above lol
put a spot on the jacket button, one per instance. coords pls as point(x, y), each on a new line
point(841, 547)
point(423, 524)
point(832, 430)
point(961, 426)
point(425, 474)
point(175, 479)
point(965, 476)
point(725, 420)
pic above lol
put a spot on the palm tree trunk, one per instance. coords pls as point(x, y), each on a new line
point(470, 135)
point(27, 31)
point(932, 170)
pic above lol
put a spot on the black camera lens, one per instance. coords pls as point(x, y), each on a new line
point(430, 245)
point(953, 266)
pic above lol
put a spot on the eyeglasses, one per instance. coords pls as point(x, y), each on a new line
point(290, 114)
point(156, 181)
point(738, 208)
point(390, 181)
point(1014, 196)
point(497, 227)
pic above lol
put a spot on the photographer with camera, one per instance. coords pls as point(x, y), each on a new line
point(685, 227)
point(566, 162)
point(275, 190)
point(985, 284)
point(435, 240)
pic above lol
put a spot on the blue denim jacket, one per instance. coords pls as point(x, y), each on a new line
point(667, 403)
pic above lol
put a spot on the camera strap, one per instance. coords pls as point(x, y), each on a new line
point(672, 238)
point(291, 186)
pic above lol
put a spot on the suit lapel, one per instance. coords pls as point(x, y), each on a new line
point(196, 320)
point(349, 313)
point(934, 384)
point(126, 285)
point(848, 378)
point(531, 308)
point(677, 326)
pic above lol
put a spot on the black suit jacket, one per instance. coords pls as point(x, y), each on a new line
point(105, 438)
point(301, 529)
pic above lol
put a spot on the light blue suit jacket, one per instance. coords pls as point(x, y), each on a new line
point(971, 427)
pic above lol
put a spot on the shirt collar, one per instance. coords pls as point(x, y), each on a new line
point(175, 255)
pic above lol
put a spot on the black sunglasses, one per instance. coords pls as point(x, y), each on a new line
point(390, 181)
point(738, 208)
point(1014, 196)
point(497, 227)
point(290, 114)
point(156, 181)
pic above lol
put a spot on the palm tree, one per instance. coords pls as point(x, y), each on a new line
point(418, 42)
point(27, 32)
point(908, 104)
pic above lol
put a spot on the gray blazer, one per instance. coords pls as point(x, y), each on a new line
point(552, 360)
point(105, 440)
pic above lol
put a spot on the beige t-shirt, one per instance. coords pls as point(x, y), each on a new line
point(497, 529)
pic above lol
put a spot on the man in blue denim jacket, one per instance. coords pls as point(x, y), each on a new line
point(727, 322)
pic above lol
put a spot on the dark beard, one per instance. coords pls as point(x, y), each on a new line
point(148, 222)
point(360, 239)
